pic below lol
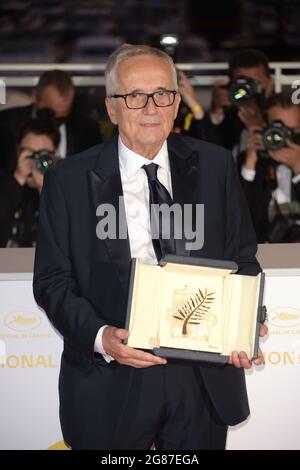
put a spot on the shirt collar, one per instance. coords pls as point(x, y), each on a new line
point(131, 162)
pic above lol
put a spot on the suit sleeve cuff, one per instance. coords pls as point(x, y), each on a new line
point(98, 346)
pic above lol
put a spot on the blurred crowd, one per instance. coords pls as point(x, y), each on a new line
point(262, 130)
point(260, 127)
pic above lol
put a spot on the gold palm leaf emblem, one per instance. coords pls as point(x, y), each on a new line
point(194, 310)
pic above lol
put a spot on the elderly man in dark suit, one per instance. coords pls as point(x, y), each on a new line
point(113, 396)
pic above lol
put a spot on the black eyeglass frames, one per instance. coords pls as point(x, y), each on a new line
point(138, 100)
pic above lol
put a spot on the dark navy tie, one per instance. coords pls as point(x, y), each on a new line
point(158, 195)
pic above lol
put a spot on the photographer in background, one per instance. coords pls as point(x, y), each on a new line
point(194, 121)
point(238, 105)
point(55, 90)
point(270, 172)
point(37, 146)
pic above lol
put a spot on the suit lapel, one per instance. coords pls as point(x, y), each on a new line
point(106, 188)
point(184, 164)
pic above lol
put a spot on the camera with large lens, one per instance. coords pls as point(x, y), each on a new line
point(44, 159)
point(244, 89)
point(275, 136)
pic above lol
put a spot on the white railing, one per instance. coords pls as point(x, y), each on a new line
point(93, 74)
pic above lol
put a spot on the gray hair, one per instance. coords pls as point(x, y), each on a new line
point(126, 51)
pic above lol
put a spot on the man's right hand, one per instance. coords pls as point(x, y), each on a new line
point(112, 344)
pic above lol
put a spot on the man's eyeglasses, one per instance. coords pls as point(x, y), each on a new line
point(138, 100)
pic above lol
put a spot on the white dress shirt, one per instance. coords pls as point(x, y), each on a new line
point(136, 201)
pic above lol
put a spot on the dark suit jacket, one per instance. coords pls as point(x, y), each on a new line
point(258, 196)
point(82, 132)
point(82, 282)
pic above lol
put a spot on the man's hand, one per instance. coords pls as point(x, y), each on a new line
point(289, 156)
point(189, 96)
point(112, 345)
point(240, 359)
point(35, 179)
point(250, 115)
point(254, 143)
point(24, 167)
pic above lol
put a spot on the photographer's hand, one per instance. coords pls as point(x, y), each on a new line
point(254, 143)
point(251, 115)
point(24, 167)
point(189, 96)
point(36, 179)
point(289, 156)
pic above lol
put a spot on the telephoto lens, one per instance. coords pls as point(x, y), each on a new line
point(244, 89)
point(275, 136)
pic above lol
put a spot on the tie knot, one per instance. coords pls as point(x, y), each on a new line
point(151, 171)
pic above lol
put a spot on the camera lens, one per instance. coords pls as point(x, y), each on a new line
point(244, 89)
point(44, 159)
point(274, 137)
point(239, 94)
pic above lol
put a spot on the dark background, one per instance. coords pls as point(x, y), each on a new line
point(88, 30)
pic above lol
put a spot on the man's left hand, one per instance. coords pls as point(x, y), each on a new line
point(240, 359)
